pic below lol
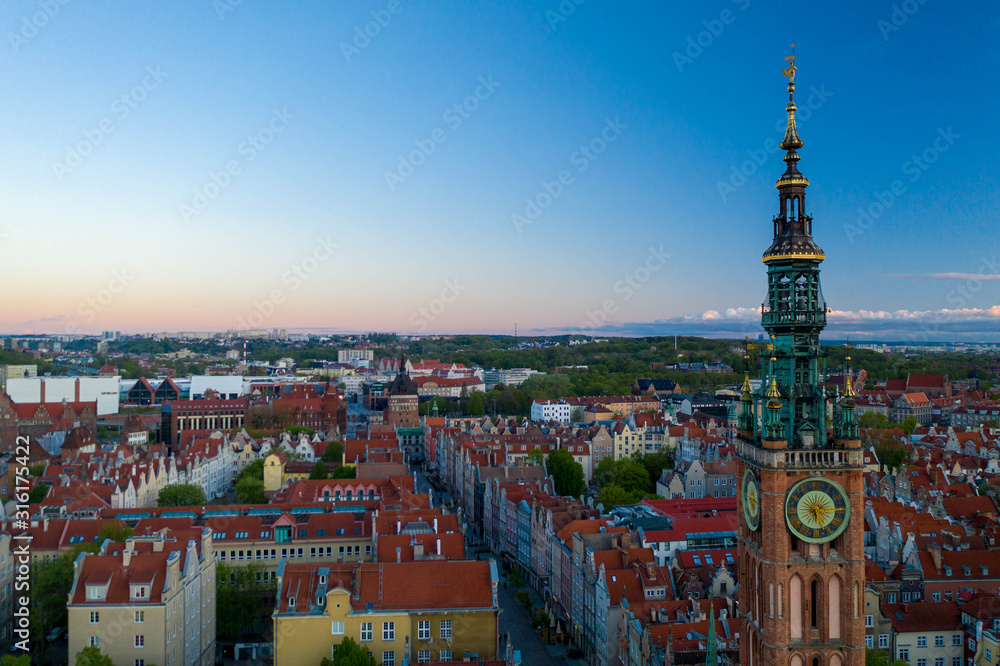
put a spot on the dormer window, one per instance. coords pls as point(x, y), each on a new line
point(947, 571)
point(322, 579)
point(291, 603)
point(139, 592)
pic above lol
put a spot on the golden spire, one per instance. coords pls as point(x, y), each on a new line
point(772, 390)
point(746, 388)
point(849, 381)
point(791, 142)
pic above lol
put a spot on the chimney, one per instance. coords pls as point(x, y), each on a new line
point(399, 527)
point(127, 555)
point(399, 554)
point(418, 551)
point(45, 524)
point(435, 524)
point(935, 551)
point(439, 545)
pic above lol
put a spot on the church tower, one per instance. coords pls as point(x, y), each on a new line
point(801, 535)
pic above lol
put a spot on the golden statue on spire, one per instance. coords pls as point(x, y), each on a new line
point(790, 72)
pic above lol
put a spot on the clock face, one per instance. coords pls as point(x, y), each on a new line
point(751, 499)
point(817, 510)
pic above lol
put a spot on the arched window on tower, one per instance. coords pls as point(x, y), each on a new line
point(814, 604)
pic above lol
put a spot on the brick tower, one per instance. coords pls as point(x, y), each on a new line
point(801, 546)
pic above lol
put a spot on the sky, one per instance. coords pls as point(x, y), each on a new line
point(558, 165)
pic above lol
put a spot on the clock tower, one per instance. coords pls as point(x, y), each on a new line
point(801, 539)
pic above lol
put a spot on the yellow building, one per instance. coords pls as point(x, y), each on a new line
point(429, 610)
point(274, 471)
point(150, 600)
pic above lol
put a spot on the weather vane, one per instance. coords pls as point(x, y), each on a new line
point(790, 72)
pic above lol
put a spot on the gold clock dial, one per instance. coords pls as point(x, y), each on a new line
point(817, 510)
point(751, 499)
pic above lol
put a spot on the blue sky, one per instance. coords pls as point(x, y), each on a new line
point(209, 165)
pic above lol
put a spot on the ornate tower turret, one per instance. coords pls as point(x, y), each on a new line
point(800, 522)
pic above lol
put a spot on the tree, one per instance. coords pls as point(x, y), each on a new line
point(476, 406)
point(253, 470)
point(181, 494)
point(881, 658)
point(891, 453)
point(91, 656)
point(656, 462)
point(516, 578)
point(873, 420)
point(318, 471)
point(604, 470)
point(349, 653)
point(38, 493)
point(566, 473)
point(250, 491)
point(50, 584)
point(345, 472)
point(614, 495)
point(333, 453)
point(535, 456)
point(244, 600)
point(116, 533)
point(909, 425)
point(523, 597)
point(19, 660)
point(631, 476)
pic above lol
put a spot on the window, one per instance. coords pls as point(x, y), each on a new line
point(388, 631)
point(936, 596)
point(868, 641)
point(337, 628)
point(939, 661)
point(939, 641)
point(869, 621)
point(904, 653)
point(956, 661)
point(95, 617)
point(956, 639)
point(892, 597)
point(388, 658)
point(921, 641)
point(424, 657)
point(140, 617)
point(95, 641)
point(140, 662)
point(445, 655)
point(424, 631)
point(921, 662)
point(989, 654)
point(140, 641)
point(366, 631)
point(446, 630)
point(883, 640)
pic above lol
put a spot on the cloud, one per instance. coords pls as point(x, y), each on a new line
point(947, 276)
point(916, 326)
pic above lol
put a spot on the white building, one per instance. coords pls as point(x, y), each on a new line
point(550, 410)
point(102, 390)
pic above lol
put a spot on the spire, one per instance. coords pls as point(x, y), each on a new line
point(713, 654)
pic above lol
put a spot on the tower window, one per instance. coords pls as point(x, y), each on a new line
point(814, 597)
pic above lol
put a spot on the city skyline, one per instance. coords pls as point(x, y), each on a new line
point(569, 167)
